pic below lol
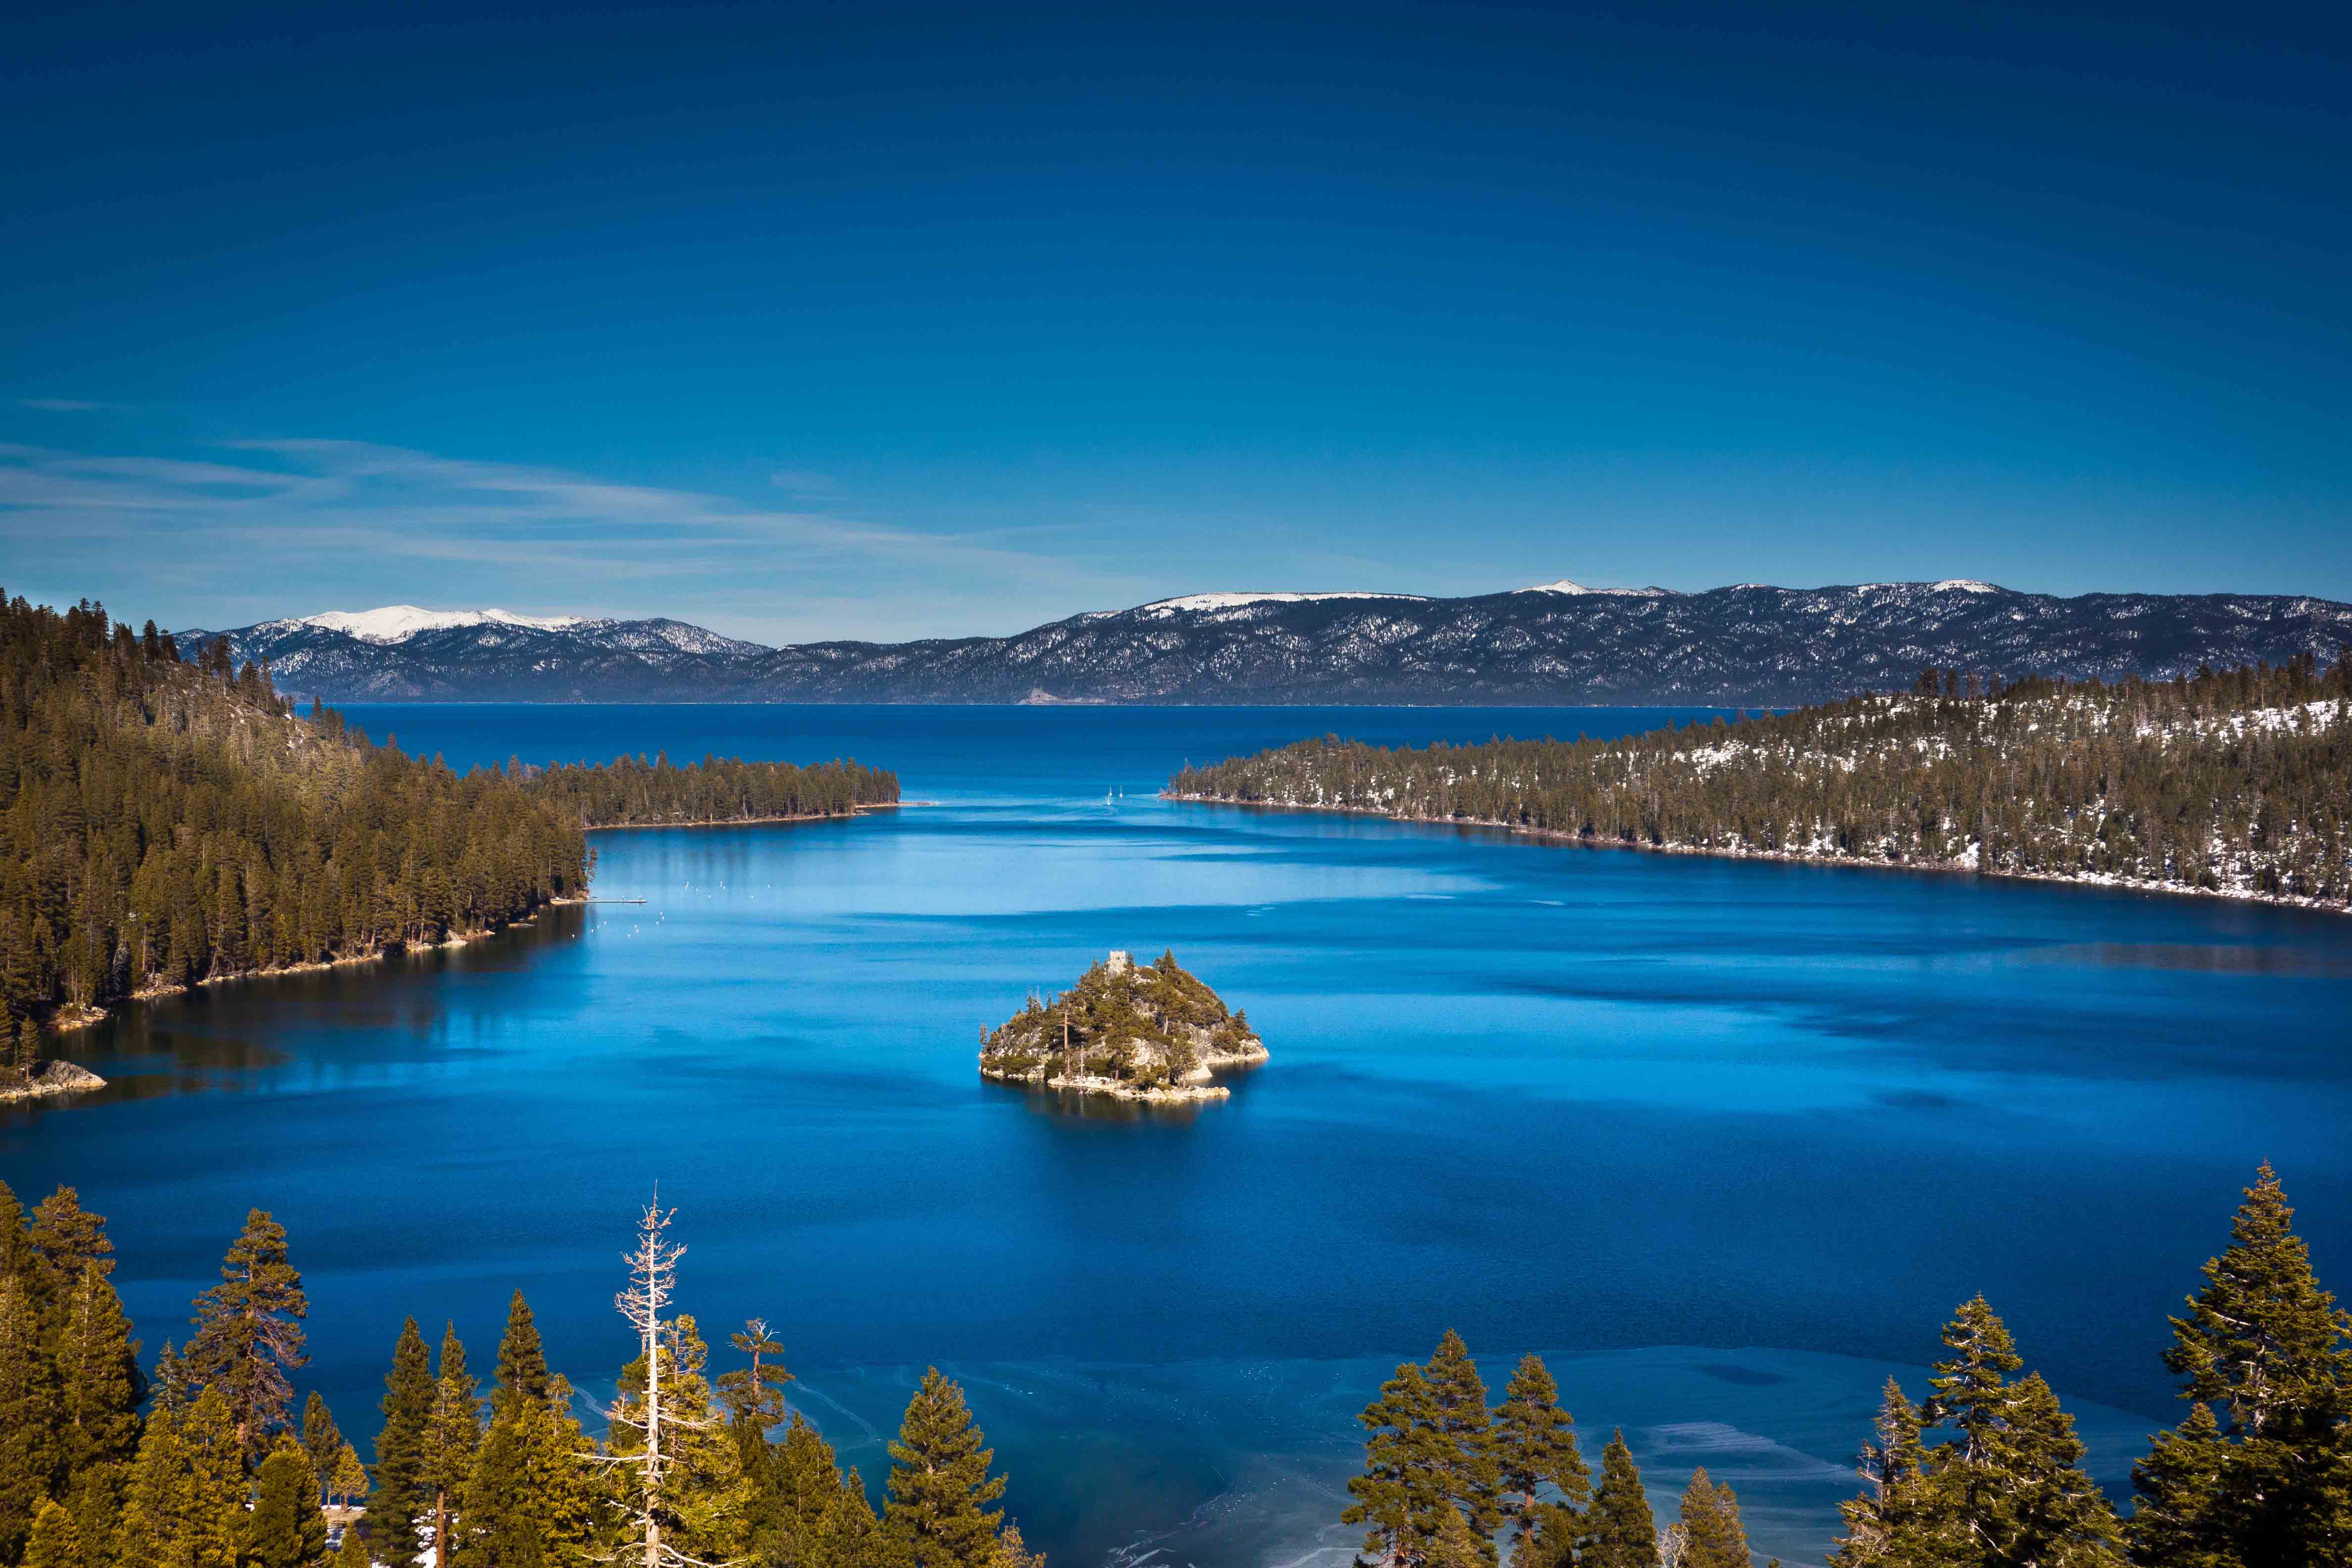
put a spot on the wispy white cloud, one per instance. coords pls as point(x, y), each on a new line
point(263, 527)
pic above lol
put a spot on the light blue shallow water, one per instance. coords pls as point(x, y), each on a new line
point(1598, 1103)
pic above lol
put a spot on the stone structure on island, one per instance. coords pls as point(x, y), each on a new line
point(1134, 1031)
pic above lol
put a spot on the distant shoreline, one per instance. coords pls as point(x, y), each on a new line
point(747, 821)
point(1791, 858)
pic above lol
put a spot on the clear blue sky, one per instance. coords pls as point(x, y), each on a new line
point(865, 320)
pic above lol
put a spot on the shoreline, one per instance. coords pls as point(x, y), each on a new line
point(1792, 857)
point(854, 811)
point(84, 1017)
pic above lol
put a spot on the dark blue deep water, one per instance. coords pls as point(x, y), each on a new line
point(1726, 1142)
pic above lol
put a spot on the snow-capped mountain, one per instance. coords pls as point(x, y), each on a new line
point(398, 623)
point(1556, 643)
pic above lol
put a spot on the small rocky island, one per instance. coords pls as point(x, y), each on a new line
point(1149, 1032)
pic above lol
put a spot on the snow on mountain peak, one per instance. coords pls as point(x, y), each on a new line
point(398, 623)
point(1233, 601)
point(1965, 585)
point(1568, 585)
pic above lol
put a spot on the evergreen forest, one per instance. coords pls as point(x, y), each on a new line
point(203, 1457)
point(170, 821)
point(2235, 781)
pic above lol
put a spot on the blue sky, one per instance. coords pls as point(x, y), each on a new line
point(808, 322)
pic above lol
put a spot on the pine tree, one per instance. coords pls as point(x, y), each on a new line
point(1535, 1444)
point(96, 1507)
point(1889, 1525)
point(2011, 1491)
point(1456, 1544)
point(158, 1501)
point(1012, 1551)
point(451, 1435)
point(849, 1535)
point(1712, 1531)
point(401, 1507)
point(69, 1239)
point(522, 1361)
point(55, 1539)
point(1620, 1530)
point(1401, 1493)
point(32, 1446)
point(287, 1530)
point(499, 1529)
point(347, 1478)
point(322, 1440)
point(2054, 1514)
point(171, 1382)
point(801, 1482)
point(248, 1334)
point(216, 1489)
point(566, 1501)
point(2265, 1350)
point(939, 1488)
point(1466, 1430)
point(99, 1384)
point(755, 1395)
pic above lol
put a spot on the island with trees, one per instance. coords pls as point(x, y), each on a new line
point(167, 823)
point(2236, 782)
point(1149, 1032)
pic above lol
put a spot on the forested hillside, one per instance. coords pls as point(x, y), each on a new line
point(632, 792)
point(164, 822)
point(2237, 782)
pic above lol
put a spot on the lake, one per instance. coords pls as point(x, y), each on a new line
point(1726, 1142)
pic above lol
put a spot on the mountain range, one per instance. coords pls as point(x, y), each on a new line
point(1557, 643)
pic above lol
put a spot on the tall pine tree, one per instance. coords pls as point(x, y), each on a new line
point(249, 1335)
point(1466, 1430)
point(2265, 1351)
point(1401, 1494)
point(451, 1436)
point(158, 1501)
point(100, 1385)
point(1712, 1533)
point(32, 1446)
point(216, 1489)
point(1890, 1524)
point(1619, 1530)
point(401, 1506)
point(939, 1488)
point(1535, 1443)
point(523, 1361)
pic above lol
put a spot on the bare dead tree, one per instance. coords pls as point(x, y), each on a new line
point(653, 1282)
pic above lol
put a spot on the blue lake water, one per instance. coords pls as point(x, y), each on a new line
point(1726, 1142)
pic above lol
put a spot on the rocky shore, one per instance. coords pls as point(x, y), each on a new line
point(54, 1078)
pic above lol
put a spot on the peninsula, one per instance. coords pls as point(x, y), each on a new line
point(2230, 784)
point(1135, 1032)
